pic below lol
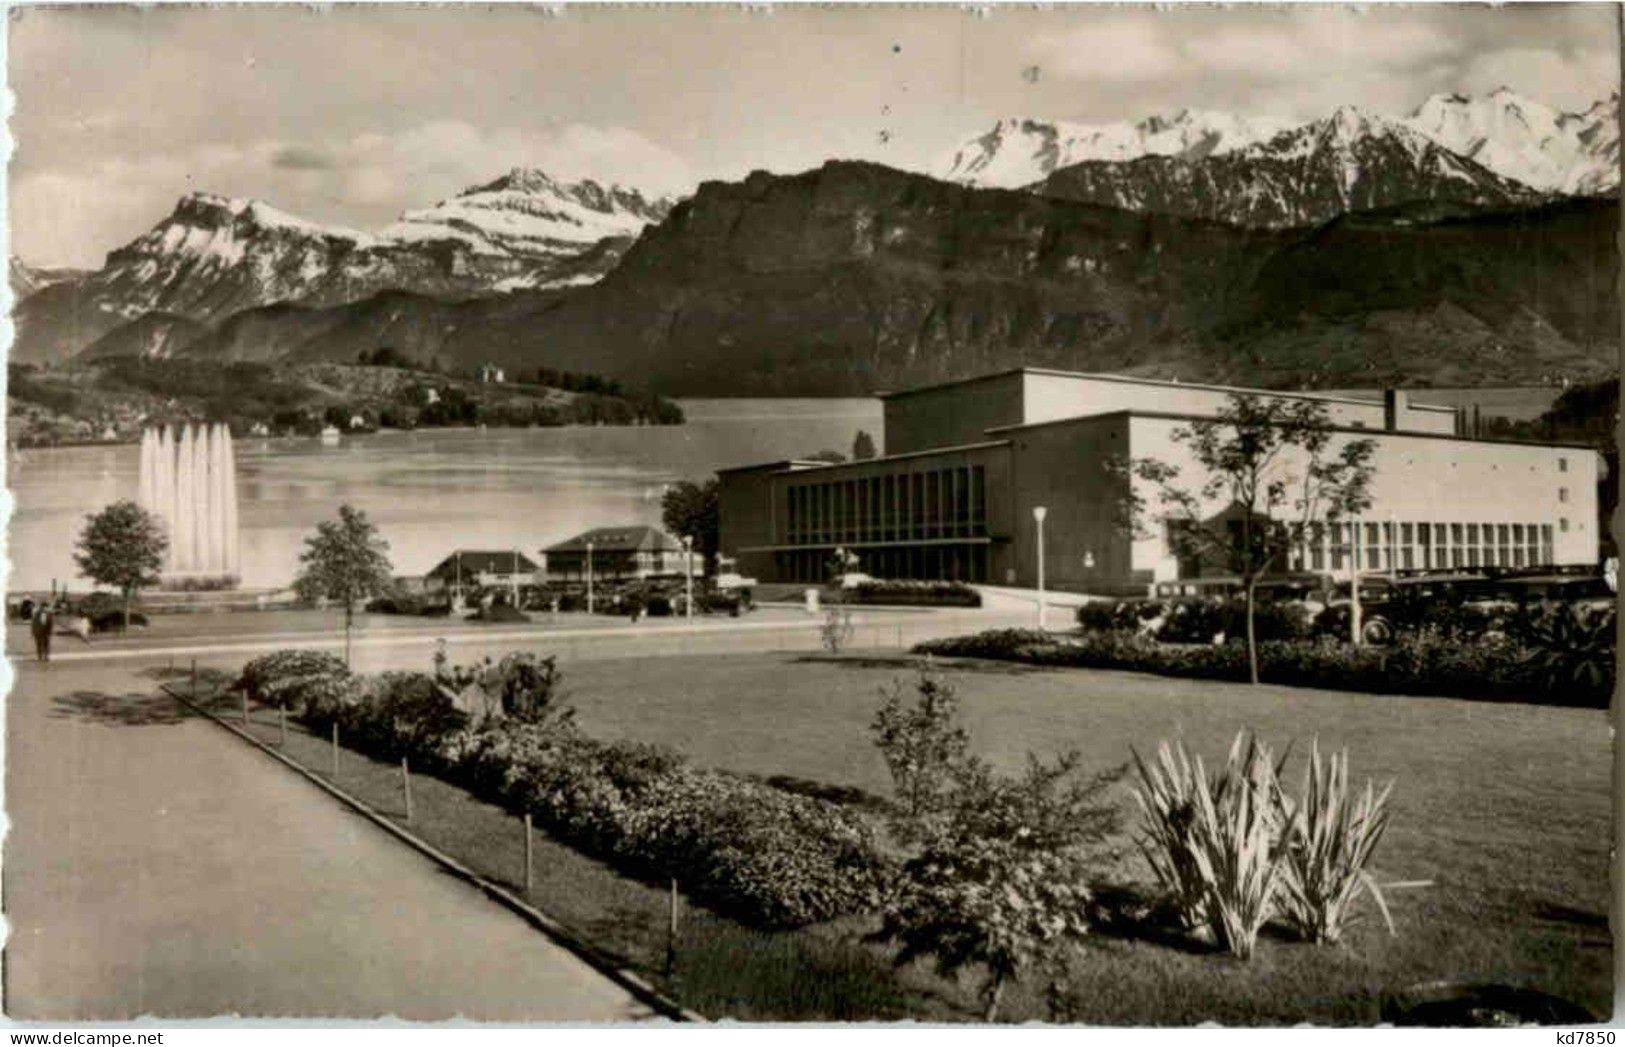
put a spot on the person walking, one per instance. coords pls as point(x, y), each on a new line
point(43, 625)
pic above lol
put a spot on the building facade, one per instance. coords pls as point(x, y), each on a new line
point(616, 554)
point(968, 462)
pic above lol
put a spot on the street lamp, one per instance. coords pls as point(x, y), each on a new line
point(688, 575)
point(1039, 512)
point(589, 577)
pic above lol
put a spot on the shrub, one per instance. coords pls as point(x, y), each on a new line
point(401, 714)
point(760, 854)
point(1106, 616)
point(1569, 646)
point(1332, 834)
point(1216, 845)
point(837, 629)
point(1196, 619)
point(1493, 669)
point(296, 679)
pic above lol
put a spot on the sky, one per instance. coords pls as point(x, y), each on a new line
point(350, 115)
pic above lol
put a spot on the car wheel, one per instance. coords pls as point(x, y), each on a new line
point(1377, 631)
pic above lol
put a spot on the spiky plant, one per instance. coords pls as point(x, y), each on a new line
point(1215, 844)
point(1332, 834)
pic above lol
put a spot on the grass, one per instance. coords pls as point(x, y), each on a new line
point(1504, 808)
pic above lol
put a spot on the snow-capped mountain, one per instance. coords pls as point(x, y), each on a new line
point(527, 212)
point(1526, 141)
point(1018, 152)
point(1576, 154)
point(26, 279)
point(215, 255)
point(1349, 161)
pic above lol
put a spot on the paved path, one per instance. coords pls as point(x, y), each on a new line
point(156, 865)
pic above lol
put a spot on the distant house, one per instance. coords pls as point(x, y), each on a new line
point(617, 553)
point(358, 421)
point(470, 567)
point(491, 373)
point(431, 396)
point(259, 429)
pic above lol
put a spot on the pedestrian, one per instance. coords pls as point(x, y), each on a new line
point(43, 624)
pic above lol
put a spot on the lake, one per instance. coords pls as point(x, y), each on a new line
point(430, 491)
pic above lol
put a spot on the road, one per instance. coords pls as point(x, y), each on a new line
point(157, 866)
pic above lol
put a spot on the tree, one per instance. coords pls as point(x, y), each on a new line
point(1272, 478)
point(863, 447)
point(347, 561)
point(1002, 872)
point(690, 509)
point(122, 546)
point(833, 457)
point(922, 745)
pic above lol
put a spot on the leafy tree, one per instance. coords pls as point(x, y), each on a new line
point(347, 561)
point(123, 547)
point(863, 447)
point(1271, 478)
point(688, 508)
point(1002, 874)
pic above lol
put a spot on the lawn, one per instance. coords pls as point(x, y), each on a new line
point(1503, 810)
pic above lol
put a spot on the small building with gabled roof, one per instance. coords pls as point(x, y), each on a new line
point(634, 551)
point(482, 567)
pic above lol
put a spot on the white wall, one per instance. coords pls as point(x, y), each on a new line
point(1049, 397)
point(1428, 479)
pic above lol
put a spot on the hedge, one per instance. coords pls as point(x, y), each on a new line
point(766, 857)
point(1420, 664)
point(900, 593)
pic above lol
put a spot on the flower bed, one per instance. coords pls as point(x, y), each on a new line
point(899, 593)
point(763, 856)
point(1424, 663)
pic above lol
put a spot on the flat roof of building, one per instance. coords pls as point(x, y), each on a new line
point(1161, 383)
point(1361, 430)
point(877, 460)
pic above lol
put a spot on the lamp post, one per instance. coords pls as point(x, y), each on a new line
point(688, 576)
point(1039, 512)
point(1354, 583)
point(589, 577)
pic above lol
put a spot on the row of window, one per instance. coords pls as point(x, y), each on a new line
point(963, 563)
point(1409, 545)
point(939, 503)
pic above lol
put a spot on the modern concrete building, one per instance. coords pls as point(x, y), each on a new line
point(967, 463)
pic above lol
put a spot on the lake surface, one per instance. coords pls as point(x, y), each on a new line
point(430, 491)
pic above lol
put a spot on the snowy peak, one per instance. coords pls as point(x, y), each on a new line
point(1017, 152)
point(1526, 140)
point(1511, 136)
point(204, 223)
point(528, 212)
point(1351, 160)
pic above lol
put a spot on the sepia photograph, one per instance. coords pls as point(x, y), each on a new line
point(1093, 515)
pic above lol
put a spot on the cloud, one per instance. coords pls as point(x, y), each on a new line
point(1570, 81)
point(303, 158)
point(73, 216)
point(1114, 51)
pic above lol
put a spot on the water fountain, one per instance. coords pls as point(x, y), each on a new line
point(189, 481)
